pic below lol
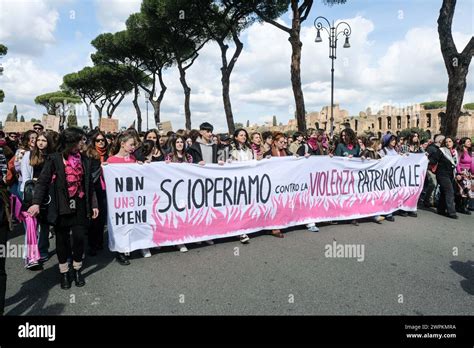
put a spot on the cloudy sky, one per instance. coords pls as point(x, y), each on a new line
point(394, 58)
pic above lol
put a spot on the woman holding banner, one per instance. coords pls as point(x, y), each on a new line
point(241, 150)
point(371, 151)
point(348, 147)
point(122, 152)
point(157, 153)
point(389, 148)
point(177, 154)
point(67, 175)
point(256, 144)
point(277, 150)
point(315, 145)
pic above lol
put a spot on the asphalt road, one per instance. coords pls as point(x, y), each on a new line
point(408, 269)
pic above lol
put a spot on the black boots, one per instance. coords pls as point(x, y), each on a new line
point(122, 259)
point(78, 278)
point(65, 280)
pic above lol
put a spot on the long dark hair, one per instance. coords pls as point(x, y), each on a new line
point(350, 135)
point(91, 150)
point(174, 152)
point(238, 145)
point(153, 131)
point(411, 137)
point(461, 147)
point(25, 139)
point(443, 144)
point(37, 156)
point(157, 143)
point(68, 140)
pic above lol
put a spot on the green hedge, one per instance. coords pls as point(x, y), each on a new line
point(434, 105)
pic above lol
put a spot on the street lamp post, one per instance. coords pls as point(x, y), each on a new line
point(333, 33)
point(147, 95)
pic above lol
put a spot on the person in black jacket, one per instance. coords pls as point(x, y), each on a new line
point(203, 150)
point(5, 223)
point(445, 159)
point(98, 152)
point(76, 201)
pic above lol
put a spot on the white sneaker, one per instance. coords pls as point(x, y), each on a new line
point(146, 253)
point(244, 239)
point(182, 248)
point(313, 228)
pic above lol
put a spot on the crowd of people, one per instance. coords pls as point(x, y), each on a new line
point(55, 179)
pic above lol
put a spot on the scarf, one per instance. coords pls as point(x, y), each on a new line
point(313, 143)
point(102, 152)
point(256, 148)
point(74, 174)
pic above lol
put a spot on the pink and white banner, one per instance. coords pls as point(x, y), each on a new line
point(168, 204)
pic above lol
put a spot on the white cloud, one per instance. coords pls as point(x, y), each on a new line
point(112, 14)
point(22, 81)
point(27, 27)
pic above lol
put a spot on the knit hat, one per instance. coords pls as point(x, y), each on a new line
point(387, 138)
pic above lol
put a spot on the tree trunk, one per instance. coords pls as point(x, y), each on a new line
point(187, 95)
point(226, 98)
point(99, 109)
point(89, 115)
point(226, 71)
point(457, 65)
point(296, 45)
point(137, 109)
point(156, 110)
point(157, 103)
point(456, 88)
point(114, 103)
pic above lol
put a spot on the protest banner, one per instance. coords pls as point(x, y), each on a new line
point(109, 125)
point(51, 122)
point(168, 204)
point(18, 127)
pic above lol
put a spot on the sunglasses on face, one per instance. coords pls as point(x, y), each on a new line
point(38, 128)
point(100, 140)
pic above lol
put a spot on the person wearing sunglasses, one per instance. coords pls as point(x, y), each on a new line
point(38, 127)
point(12, 141)
point(97, 151)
